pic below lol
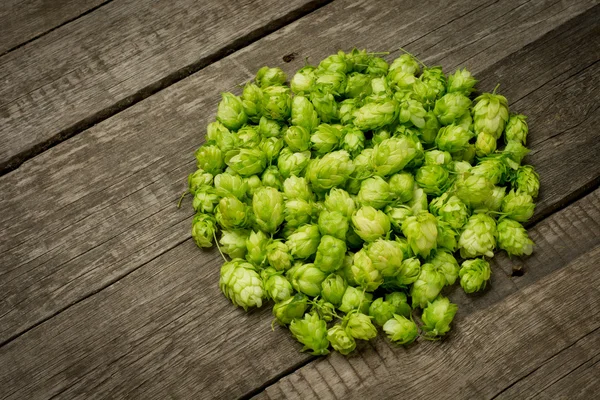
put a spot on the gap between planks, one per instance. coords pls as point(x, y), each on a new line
point(17, 160)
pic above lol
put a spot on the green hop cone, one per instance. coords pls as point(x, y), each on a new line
point(381, 311)
point(405, 246)
point(364, 272)
point(353, 141)
point(474, 275)
point(312, 333)
point(256, 248)
point(400, 303)
point(325, 139)
point(391, 155)
point(333, 289)
point(270, 77)
point(493, 168)
point(430, 86)
point(445, 263)
point(377, 67)
point(296, 187)
point(356, 299)
point(330, 254)
point(485, 144)
point(331, 81)
point(412, 112)
point(334, 224)
point(406, 63)
point(451, 210)
point(386, 256)
point(513, 238)
point(410, 270)
point(374, 192)
point(337, 63)
point(233, 243)
point(453, 138)
point(277, 287)
point(231, 213)
point(241, 284)
point(346, 110)
point(527, 181)
point(303, 80)
point(246, 162)
point(325, 105)
point(375, 115)
point(370, 224)
point(330, 171)
point(231, 185)
point(358, 85)
point(397, 215)
point(272, 147)
point(429, 131)
point(362, 170)
point(339, 200)
point(402, 81)
point(467, 154)
point(251, 101)
point(288, 310)
point(230, 112)
point(438, 316)
point(210, 159)
point(251, 184)
point(217, 133)
point(248, 137)
point(447, 236)
point(478, 237)
point(325, 310)
point(359, 326)
point(428, 286)
point(278, 256)
point(451, 107)
point(466, 121)
point(460, 167)
point(437, 157)
point(516, 129)
point(297, 212)
point(304, 114)
point(461, 81)
point(203, 230)
point(205, 199)
point(472, 189)
point(518, 206)
point(269, 128)
point(515, 151)
point(267, 205)
point(304, 242)
point(292, 164)
point(198, 179)
point(271, 178)
point(433, 179)
point(401, 330)
point(340, 340)
point(418, 202)
point(421, 232)
point(402, 186)
point(494, 202)
point(276, 103)
point(490, 114)
point(306, 278)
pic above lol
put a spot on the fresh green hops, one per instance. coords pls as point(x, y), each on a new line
point(527, 181)
point(210, 159)
point(472, 189)
point(421, 232)
point(518, 206)
point(402, 186)
point(353, 141)
point(381, 311)
point(375, 115)
point(401, 330)
point(251, 101)
point(277, 287)
point(433, 179)
point(267, 205)
point(515, 151)
point(304, 242)
point(246, 162)
point(205, 199)
point(370, 224)
point(393, 154)
point(330, 253)
point(233, 243)
point(341, 340)
point(451, 107)
point(306, 278)
point(364, 272)
point(485, 144)
point(334, 224)
point(478, 237)
point(270, 77)
point(397, 215)
point(297, 138)
point(241, 284)
point(356, 299)
point(232, 213)
point(474, 275)
point(231, 112)
point(303, 80)
point(438, 316)
point(278, 256)
point(410, 269)
point(461, 81)
point(451, 210)
point(311, 331)
point(203, 230)
point(516, 129)
point(374, 192)
point(333, 289)
point(453, 138)
point(513, 238)
point(400, 303)
point(288, 310)
point(340, 201)
point(490, 114)
point(256, 248)
point(276, 103)
point(386, 256)
point(428, 285)
point(198, 179)
point(330, 171)
point(296, 187)
point(231, 185)
point(445, 263)
point(359, 326)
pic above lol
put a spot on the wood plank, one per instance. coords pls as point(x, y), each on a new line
point(166, 330)
point(487, 352)
point(99, 64)
point(22, 21)
point(103, 217)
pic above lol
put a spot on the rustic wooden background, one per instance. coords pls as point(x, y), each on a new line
point(103, 294)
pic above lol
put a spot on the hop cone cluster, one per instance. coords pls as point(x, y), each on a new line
point(353, 196)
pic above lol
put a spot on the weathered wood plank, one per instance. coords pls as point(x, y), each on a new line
point(23, 21)
point(103, 217)
point(166, 330)
point(99, 64)
point(488, 351)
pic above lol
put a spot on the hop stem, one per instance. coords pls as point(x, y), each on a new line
point(181, 198)
point(410, 54)
point(218, 247)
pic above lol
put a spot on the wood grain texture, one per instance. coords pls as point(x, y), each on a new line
point(121, 53)
point(108, 194)
point(22, 21)
point(166, 330)
point(486, 353)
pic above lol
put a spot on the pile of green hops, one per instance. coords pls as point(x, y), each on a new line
point(348, 199)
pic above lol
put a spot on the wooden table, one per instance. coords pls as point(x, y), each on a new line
point(103, 292)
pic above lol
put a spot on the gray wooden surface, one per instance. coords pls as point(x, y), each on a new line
point(105, 295)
